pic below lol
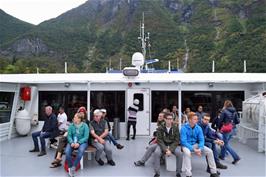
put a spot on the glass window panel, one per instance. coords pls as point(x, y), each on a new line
point(6, 103)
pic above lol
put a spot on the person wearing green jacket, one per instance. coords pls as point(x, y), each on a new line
point(78, 134)
point(168, 141)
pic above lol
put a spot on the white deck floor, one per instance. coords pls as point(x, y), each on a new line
point(17, 161)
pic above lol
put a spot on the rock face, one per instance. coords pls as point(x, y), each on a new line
point(28, 46)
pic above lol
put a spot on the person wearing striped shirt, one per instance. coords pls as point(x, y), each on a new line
point(132, 118)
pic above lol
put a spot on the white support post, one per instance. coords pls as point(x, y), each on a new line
point(88, 100)
point(14, 109)
point(179, 104)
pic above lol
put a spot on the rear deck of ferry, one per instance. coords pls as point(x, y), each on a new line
point(16, 160)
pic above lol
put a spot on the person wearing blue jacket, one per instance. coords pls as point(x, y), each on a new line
point(192, 141)
point(211, 139)
point(77, 137)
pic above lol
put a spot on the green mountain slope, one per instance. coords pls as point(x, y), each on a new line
point(189, 33)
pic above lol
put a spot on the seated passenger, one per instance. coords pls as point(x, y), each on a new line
point(110, 136)
point(152, 144)
point(168, 141)
point(192, 141)
point(211, 139)
point(77, 137)
point(49, 130)
point(99, 132)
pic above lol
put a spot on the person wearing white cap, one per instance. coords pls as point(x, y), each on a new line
point(132, 118)
point(99, 132)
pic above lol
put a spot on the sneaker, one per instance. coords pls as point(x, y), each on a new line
point(100, 162)
point(235, 161)
point(34, 150)
point(71, 171)
point(221, 166)
point(178, 175)
point(209, 171)
point(119, 146)
point(214, 175)
point(156, 175)
point(139, 163)
point(111, 162)
point(42, 153)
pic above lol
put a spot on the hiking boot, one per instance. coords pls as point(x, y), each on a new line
point(139, 163)
point(100, 162)
point(42, 153)
point(209, 171)
point(156, 175)
point(178, 175)
point(34, 150)
point(119, 146)
point(221, 166)
point(111, 162)
point(214, 175)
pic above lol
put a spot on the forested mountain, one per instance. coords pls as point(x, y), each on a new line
point(97, 34)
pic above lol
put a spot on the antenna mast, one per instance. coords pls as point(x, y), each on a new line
point(142, 37)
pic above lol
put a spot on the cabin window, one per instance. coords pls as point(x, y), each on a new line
point(139, 96)
point(6, 103)
point(161, 100)
point(70, 100)
point(112, 101)
point(211, 101)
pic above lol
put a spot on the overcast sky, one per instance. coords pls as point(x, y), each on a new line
point(37, 11)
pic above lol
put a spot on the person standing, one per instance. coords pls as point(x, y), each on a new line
point(229, 119)
point(132, 118)
point(49, 130)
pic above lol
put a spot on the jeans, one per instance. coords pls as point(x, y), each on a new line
point(69, 150)
point(227, 147)
point(111, 138)
point(212, 146)
point(42, 136)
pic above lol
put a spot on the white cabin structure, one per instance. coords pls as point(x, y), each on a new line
point(115, 92)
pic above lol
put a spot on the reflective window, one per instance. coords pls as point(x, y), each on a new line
point(6, 102)
point(161, 100)
point(112, 101)
point(70, 100)
point(211, 101)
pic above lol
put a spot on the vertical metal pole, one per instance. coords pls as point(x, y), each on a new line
point(213, 66)
point(169, 66)
point(88, 100)
point(65, 67)
point(245, 66)
point(14, 109)
point(179, 104)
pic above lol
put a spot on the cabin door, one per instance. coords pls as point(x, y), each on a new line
point(143, 115)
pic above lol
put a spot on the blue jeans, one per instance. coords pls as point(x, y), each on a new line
point(69, 150)
point(111, 138)
point(227, 147)
point(42, 139)
point(212, 146)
